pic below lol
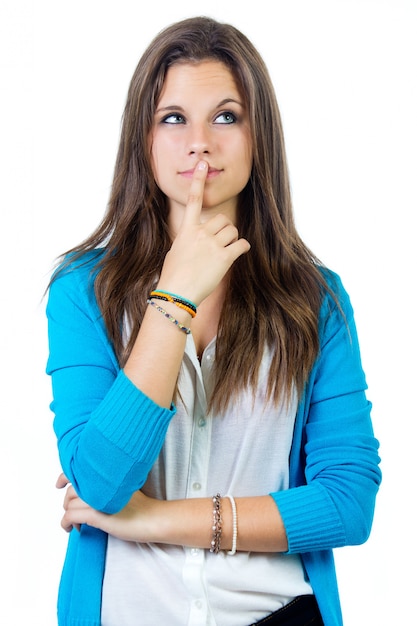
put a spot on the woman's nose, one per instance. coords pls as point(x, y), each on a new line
point(199, 141)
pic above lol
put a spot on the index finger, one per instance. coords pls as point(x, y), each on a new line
point(195, 197)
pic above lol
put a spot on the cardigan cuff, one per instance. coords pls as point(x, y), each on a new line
point(131, 420)
point(310, 518)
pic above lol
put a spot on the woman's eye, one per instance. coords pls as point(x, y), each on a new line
point(226, 118)
point(173, 118)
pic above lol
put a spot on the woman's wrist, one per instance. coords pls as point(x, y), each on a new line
point(179, 301)
point(189, 523)
point(181, 293)
point(256, 525)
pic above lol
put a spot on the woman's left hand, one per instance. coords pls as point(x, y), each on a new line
point(135, 522)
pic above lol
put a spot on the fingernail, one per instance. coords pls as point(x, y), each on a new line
point(202, 165)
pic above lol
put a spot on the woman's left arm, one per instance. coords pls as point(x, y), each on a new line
point(335, 472)
point(185, 522)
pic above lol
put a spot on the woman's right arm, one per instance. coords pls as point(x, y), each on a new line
point(199, 258)
point(109, 433)
point(111, 424)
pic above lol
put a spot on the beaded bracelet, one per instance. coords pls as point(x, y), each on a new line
point(217, 525)
point(169, 317)
point(182, 303)
point(234, 525)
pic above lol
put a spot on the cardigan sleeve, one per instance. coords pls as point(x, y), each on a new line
point(109, 433)
point(332, 501)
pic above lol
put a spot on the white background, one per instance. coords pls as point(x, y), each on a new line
point(345, 75)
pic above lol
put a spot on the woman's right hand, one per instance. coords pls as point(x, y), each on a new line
point(201, 253)
point(200, 256)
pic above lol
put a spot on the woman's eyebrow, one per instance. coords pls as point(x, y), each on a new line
point(228, 100)
point(170, 107)
point(177, 107)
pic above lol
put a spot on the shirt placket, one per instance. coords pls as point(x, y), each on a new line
point(194, 565)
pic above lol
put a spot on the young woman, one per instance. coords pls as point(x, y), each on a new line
point(209, 398)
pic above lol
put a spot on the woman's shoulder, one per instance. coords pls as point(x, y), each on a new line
point(335, 291)
point(74, 277)
point(336, 309)
point(78, 266)
point(332, 278)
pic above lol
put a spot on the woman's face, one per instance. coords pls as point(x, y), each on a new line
point(201, 115)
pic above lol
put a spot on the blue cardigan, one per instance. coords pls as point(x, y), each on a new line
point(110, 434)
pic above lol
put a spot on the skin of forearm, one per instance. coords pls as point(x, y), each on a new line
point(185, 522)
point(155, 360)
point(189, 523)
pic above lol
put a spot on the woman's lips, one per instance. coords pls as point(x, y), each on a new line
point(212, 173)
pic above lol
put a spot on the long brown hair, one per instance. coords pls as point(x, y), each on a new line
point(275, 290)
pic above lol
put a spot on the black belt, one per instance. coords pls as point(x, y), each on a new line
point(302, 611)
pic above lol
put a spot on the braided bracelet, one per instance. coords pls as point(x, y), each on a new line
point(217, 525)
point(182, 303)
point(169, 317)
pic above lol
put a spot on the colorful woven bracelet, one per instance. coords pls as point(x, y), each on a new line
point(169, 317)
point(178, 303)
point(182, 303)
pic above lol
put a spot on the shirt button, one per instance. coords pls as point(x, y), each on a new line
point(198, 604)
point(202, 422)
point(195, 551)
point(196, 486)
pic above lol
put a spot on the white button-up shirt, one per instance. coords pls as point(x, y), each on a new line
point(243, 452)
